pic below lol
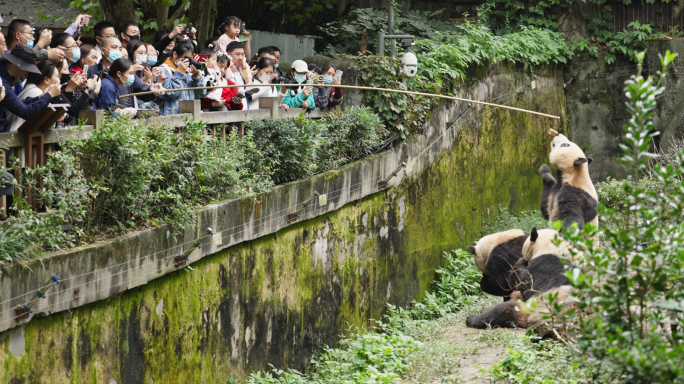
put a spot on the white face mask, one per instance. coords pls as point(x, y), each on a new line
point(141, 59)
point(264, 78)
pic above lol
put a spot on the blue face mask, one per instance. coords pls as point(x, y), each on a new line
point(75, 55)
point(152, 60)
point(114, 55)
point(276, 65)
point(328, 79)
point(29, 43)
point(129, 80)
point(300, 78)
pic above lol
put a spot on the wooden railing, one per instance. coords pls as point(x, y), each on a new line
point(13, 144)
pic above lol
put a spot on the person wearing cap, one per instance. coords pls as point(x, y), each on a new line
point(300, 97)
point(14, 70)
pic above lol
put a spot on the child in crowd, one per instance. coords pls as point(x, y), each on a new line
point(211, 43)
point(230, 30)
point(221, 99)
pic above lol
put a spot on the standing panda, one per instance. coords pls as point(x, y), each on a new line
point(571, 198)
point(541, 273)
point(495, 256)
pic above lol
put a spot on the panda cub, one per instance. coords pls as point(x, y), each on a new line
point(495, 255)
point(541, 273)
point(571, 198)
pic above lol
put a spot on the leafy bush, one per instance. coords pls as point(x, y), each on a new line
point(360, 27)
point(629, 311)
point(530, 360)
point(504, 220)
point(302, 147)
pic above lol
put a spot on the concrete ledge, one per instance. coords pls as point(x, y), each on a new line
point(99, 271)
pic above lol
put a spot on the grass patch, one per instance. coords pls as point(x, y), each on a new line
point(504, 220)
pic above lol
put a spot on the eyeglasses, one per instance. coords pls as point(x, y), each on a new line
point(31, 33)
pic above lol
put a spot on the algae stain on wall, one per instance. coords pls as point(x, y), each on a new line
point(278, 299)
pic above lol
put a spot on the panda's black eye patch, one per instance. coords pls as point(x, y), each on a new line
point(565, 145)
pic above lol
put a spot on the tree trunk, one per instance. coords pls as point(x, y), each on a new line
point(117, 11)
point(162, 13)
point(202, 15)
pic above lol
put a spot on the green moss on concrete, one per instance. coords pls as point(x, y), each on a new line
point(277, 299)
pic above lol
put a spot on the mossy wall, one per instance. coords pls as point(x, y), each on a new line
point(278, 299)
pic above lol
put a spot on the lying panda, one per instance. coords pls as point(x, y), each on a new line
point(540, 273)
point(495, 255)
point(573, 197)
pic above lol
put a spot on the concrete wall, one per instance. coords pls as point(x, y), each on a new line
point(597, 111)
point(291, 47)
point(281, 291)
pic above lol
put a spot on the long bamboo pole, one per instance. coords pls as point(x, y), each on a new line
point(355, 87)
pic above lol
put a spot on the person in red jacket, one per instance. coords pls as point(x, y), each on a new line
point(222, 99)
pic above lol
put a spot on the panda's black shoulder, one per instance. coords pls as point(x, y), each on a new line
point(511, 247)
point(571, 193)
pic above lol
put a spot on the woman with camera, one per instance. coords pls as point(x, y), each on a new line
point(180, 73)
point(264, 75)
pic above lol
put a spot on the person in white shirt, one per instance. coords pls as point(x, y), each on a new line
point(242, 74)
point(264, 75)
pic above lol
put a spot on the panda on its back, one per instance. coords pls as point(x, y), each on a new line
point(571, 198)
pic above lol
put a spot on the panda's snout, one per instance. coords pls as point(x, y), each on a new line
point(565, 145)
point(472, 320)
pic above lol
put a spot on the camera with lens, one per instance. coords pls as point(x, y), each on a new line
point(319, 78)
point(284, 80)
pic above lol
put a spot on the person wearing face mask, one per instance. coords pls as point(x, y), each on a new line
point(264, 75)
point(129, 31)
point(276, 62)
point(36, 86)
point(67, 44)
point(13, 70)
point(88, 57)
point(152, 55)
point(221, 99)
point(111, 50)
point(102, 30)
point(121, 72)
point(302, 96)
point(78, 91)
point(180, 74)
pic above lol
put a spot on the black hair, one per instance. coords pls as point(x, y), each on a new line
point(325, 69)
point(222, 58)
point(14, 27)
point(265, 62)
point(100, 26)
point(160, 35)
point(230, 20)
point(268, 50)
point(119, 65)
point(208, 52)
point(59, 39)
point(182, 48)
point(47, 69)
point(275, 49)
point(132, 47)
point(123, 27)
point(315, 68)
point(212, 40)
point(233, 45)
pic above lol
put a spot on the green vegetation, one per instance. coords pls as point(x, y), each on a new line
point(629, 313)
point(533, 361)
point(130, 174)
point(504, 220)
point(303, 147)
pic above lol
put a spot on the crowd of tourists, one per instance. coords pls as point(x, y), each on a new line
point(38, 67)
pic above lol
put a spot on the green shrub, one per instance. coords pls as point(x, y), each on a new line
point(630, 294)
point(532, 361)
point(503, 220)
point(301, 147)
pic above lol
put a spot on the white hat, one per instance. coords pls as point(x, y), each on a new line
point(300, 66)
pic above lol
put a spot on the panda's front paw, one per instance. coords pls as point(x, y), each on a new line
point(544, 169)
point(473, 321)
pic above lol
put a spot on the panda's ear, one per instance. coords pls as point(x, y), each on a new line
point(582, 160)
point(590, 160)
point(534, 234)
point(471, 249)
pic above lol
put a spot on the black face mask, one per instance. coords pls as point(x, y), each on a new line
point(133, 37)
point(64, 78)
